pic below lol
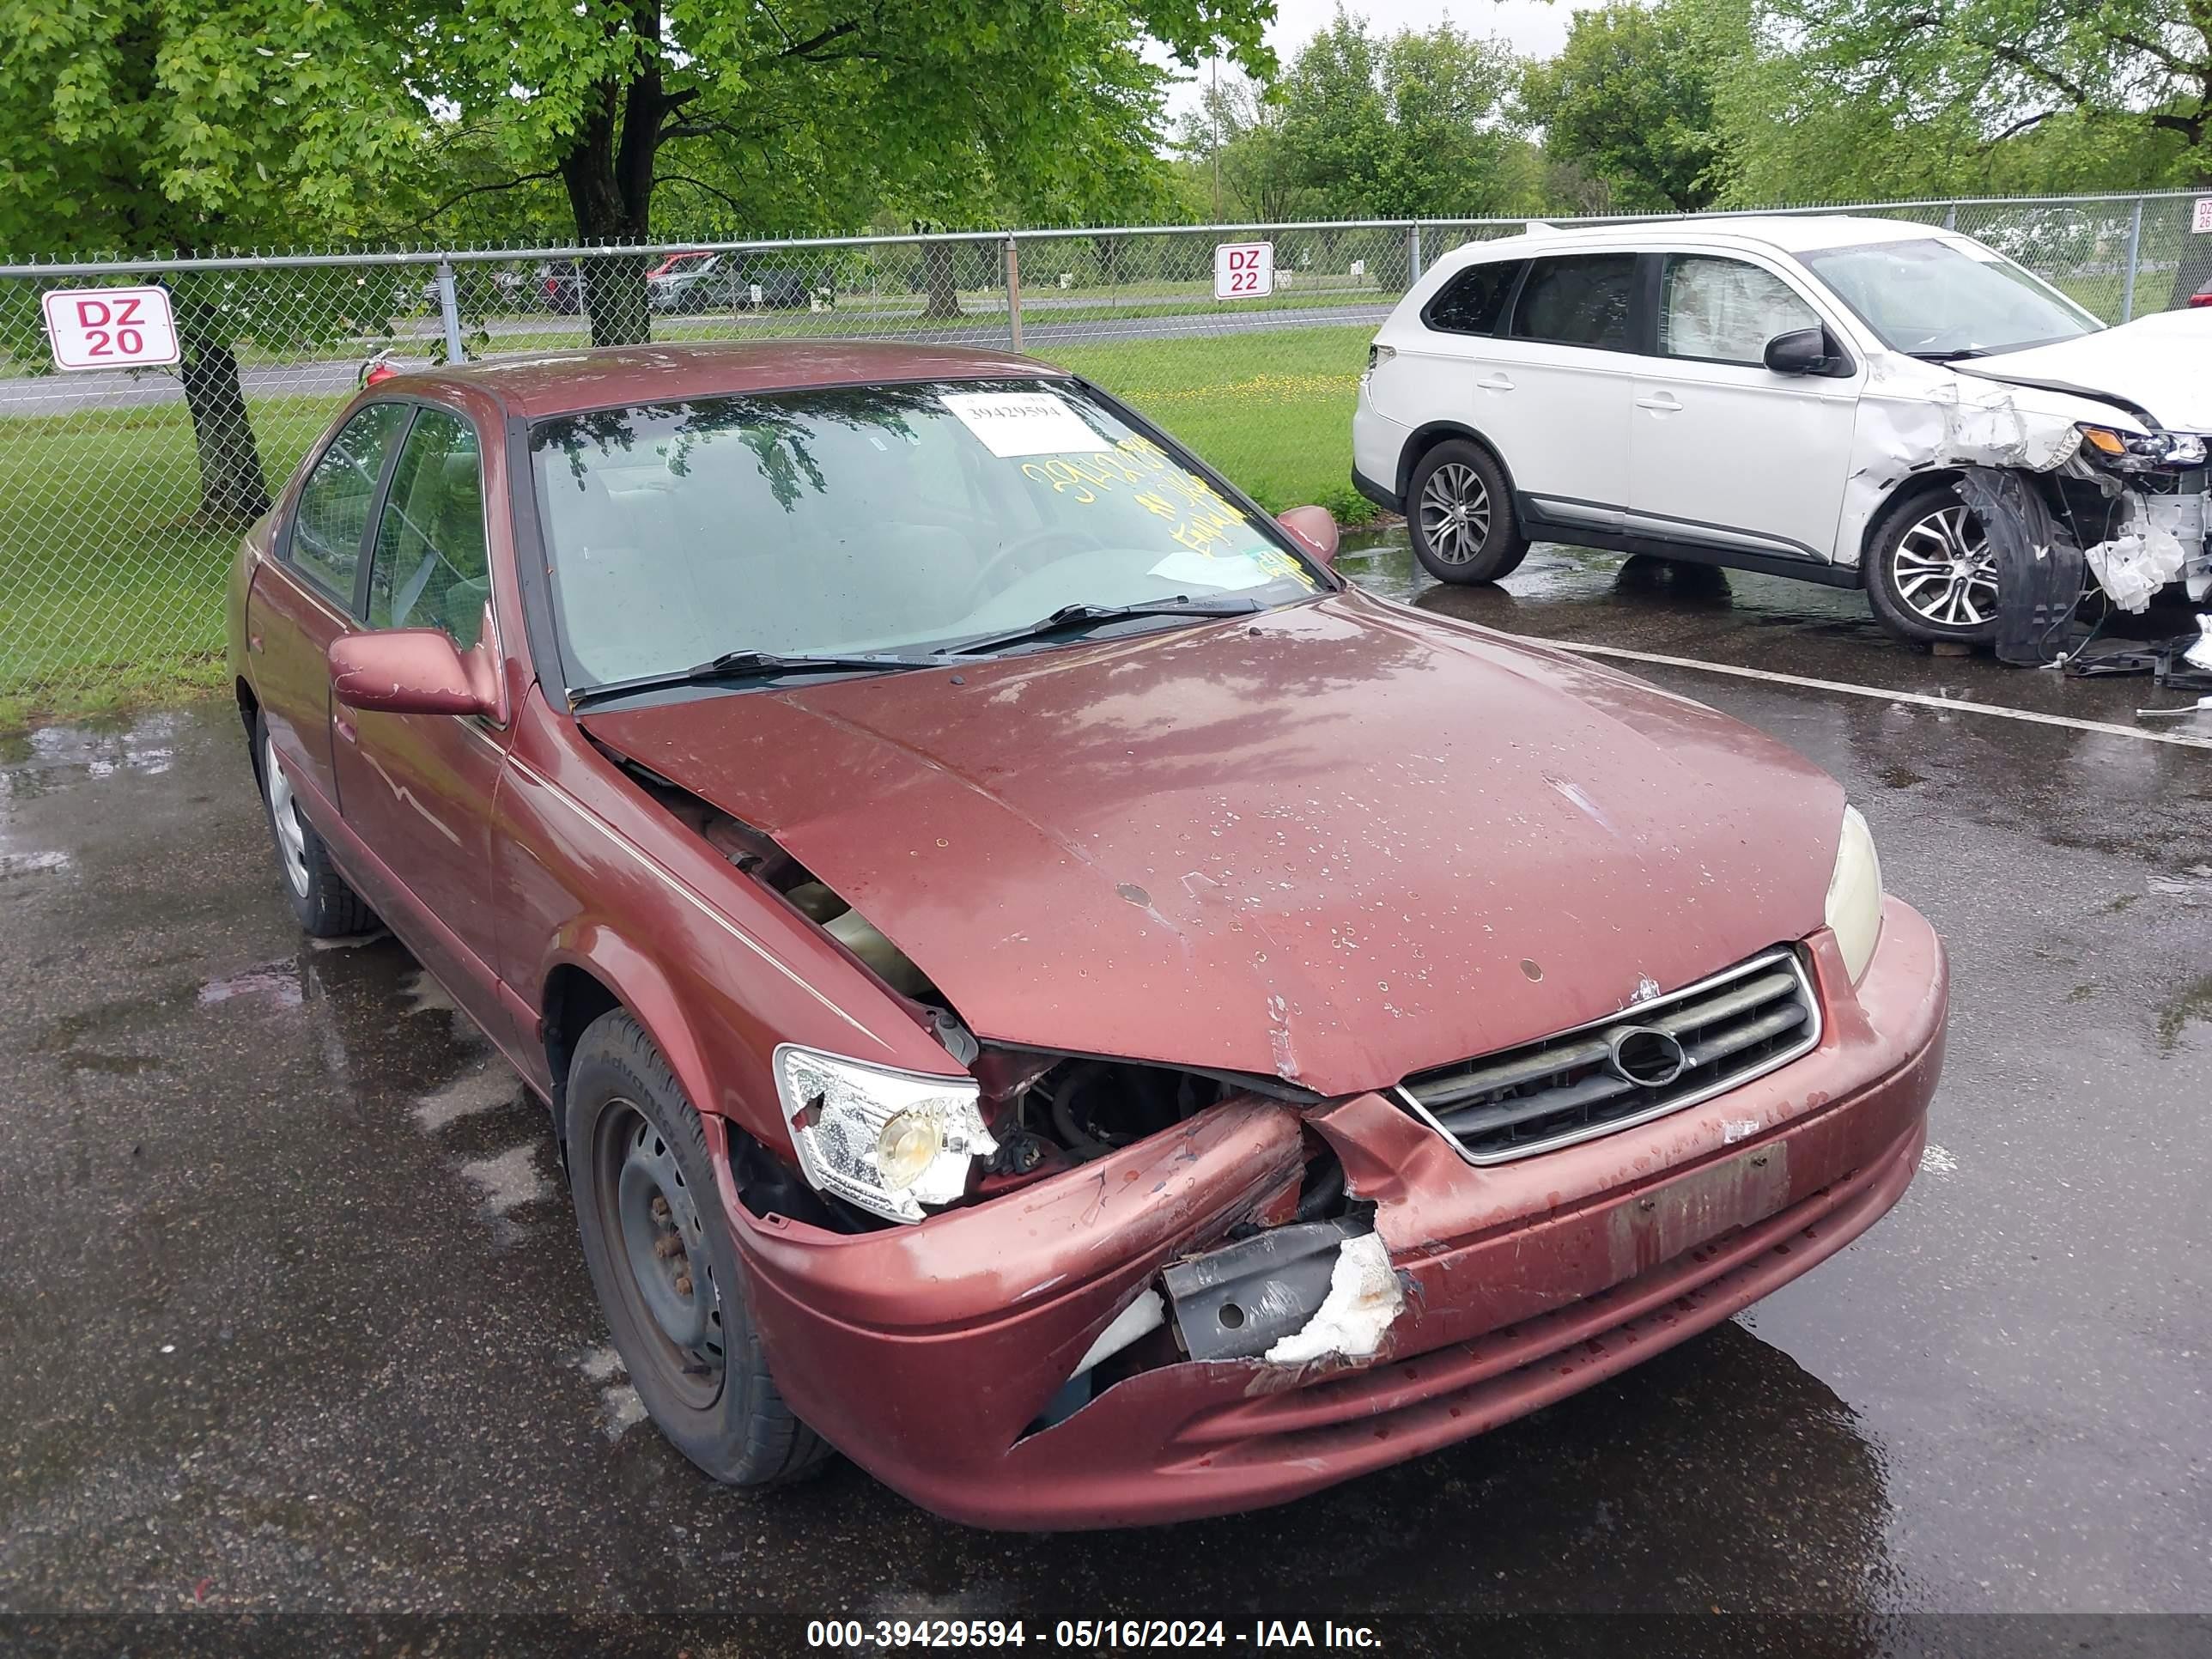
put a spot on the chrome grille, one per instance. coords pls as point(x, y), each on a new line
point(1580, 1083)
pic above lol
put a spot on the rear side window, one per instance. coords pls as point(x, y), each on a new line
point(1725, 310)
point(333, 510)
point(1473, 303)
point(431, 568)
point(1578, 299)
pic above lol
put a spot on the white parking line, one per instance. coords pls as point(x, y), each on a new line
point(1920, 699)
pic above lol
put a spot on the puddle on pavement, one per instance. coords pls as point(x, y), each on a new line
point(49, 757)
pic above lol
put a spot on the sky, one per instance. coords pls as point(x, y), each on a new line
point(1536, 28)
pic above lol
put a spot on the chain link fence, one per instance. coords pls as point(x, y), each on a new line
point(123, 492)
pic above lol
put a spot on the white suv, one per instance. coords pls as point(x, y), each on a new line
point(1791, 395)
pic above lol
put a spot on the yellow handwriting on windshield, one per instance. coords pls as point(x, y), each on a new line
point(1200, 514)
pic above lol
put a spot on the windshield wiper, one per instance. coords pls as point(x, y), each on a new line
point(1958, 357)
point(737, 665)
point(1082, 616)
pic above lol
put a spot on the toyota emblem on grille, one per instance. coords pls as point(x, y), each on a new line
point(1646, 1056)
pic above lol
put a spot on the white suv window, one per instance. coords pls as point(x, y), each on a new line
point(1581, 298)
point(1724, 311)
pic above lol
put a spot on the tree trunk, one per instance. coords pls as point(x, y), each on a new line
point(608, 171)
point(232, 490)
point(940, 281)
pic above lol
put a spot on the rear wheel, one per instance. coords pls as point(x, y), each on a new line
point(1931, 575)
point(325, 906)
point(1459, 515)
point(666, 1267)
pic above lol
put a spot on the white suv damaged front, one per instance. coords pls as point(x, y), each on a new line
point(2124, 409)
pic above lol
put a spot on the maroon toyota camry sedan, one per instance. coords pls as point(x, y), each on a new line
point(1040, 986)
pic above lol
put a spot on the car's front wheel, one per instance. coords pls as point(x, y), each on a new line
point(1459, 514)
point(1931, 575)
point(665, 1266)
point(325, 906)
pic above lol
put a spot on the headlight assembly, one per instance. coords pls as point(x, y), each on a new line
point(2141, 452)
point(1854, 909)
point(887, 1141)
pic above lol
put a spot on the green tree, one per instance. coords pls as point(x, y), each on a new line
point(1629, 101)
point(797, 113)
point(186, 128)
point(1418, 123)
point(2015, 93)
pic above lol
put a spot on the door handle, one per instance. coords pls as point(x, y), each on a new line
point(1663, 402)
point(1495, 382)
point(345, 729)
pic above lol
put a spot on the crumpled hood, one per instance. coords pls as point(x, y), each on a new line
point(1336, 843)
point(2163, 362)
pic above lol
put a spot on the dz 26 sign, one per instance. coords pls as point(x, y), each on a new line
point(110, 327)
point(1243, 270)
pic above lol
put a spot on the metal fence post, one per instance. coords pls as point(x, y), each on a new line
point(2135, 253)
point(456, 353)
point(1013, 293)
point(1414, 257)
point(1950, 216)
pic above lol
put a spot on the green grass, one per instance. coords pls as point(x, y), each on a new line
point(110, 594)
point(1273, 410)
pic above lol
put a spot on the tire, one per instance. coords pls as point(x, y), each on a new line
point(1930, 576)
point(1459, 512)
point(638, 1165)
point(325, 907)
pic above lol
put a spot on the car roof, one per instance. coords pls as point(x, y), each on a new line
point(565, 382)
point(1786, 233)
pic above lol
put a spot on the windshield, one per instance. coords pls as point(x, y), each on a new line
point(1940, 298)
point(873, 519)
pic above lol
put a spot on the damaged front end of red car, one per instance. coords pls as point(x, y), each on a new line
point(1130, 1321)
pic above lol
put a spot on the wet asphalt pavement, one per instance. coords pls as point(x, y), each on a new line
point(294, 1317)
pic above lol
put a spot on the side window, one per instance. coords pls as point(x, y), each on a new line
point(430, 569)
point(1579, 299)
point(1724, 310)
point(333, 510)
point(1473, 302)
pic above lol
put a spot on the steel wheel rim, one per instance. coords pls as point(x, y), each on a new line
point(284, 813)
point(658, 1239)
point(1455, 510)
point(1944, 570)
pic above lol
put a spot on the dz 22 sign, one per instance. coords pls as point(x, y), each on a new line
point(110, 327)
point(1243, 270)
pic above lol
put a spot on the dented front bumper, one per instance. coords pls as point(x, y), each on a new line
point(926, 1353)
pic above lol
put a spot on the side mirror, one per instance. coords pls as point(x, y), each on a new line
point(412, 671)
point(1801, 351)
point(1316, 529)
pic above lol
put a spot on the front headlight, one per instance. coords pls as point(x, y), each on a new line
point(887, 1141)
point(2141, 452)
point(1855, 895)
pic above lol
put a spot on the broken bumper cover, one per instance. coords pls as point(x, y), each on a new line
point(926, 1353)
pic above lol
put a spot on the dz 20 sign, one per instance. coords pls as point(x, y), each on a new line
point(1243, 270)
point(110, 327)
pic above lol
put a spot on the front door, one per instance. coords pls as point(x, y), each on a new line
point(1723, 450)
point(418, 788)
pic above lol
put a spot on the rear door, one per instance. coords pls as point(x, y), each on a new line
point(305, 599)
point(1723, 451)
point(418, 788)
point(1553, 390)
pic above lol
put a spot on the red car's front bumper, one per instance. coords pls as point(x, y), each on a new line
point(925, 1353)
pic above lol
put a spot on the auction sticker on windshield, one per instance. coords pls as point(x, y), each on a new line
point(1016, 424)
point(110, 327)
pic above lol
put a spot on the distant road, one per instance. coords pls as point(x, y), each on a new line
point(64, 394)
